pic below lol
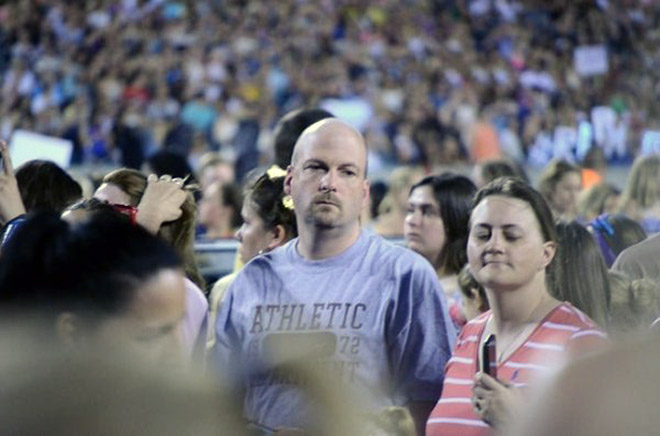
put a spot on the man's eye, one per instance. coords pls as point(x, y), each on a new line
point(313, 168)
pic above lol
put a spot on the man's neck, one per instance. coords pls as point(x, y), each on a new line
point(318, 244)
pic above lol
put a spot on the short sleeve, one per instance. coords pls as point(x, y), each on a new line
point(225, 353)
point(420, 337)
point(585, 342)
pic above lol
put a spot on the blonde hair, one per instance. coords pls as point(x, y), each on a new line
point(634, 305)
point(396, 421)
point(592, 201)
point(179, 233)
point(643, 187)
point(400, 181)
point(467, 282)
point(552, 175)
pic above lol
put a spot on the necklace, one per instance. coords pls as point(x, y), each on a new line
point(522, 334)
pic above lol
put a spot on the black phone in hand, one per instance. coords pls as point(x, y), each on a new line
point(489, 356)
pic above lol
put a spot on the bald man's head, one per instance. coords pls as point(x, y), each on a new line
point(327, 177)
point(326, 130)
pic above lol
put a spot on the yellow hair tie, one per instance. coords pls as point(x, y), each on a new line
point(275, 172)
point(287, 202)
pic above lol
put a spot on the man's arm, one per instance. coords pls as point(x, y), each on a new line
point(423, 339)
point(11, 203)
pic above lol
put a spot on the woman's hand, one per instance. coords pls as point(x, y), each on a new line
point(11, 203)
point(495, 402)
point(161, 202)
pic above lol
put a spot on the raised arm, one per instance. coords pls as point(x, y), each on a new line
point(161, 202)
point(11, 204)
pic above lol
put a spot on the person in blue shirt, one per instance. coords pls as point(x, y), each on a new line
point(342, 300)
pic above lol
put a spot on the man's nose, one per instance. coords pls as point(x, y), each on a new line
point(329, 181)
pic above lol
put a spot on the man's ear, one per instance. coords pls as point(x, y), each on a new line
point(287, 180)
point(366, 193)
point(68, 329)
point(279, 237)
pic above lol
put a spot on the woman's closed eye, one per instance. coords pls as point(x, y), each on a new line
point(512, 237)
point(482, 234)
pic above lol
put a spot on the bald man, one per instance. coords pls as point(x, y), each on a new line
point(337, 298)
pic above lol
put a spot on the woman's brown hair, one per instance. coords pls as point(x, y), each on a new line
point(179, 233)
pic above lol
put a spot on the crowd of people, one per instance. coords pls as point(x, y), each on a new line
point(443, 299)
point(325, 319)
point(428, 83)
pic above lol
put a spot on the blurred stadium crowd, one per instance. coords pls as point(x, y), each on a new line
point(427, 82)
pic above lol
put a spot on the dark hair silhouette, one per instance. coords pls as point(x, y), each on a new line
point(288, 130)
point(91, 269)
point(45, 187)
point(453, 193)
point(266, 195)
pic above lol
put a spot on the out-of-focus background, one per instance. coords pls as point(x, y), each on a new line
point(428, 82)
point(437, 84)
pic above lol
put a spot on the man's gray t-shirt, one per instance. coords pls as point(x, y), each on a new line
point(640, 261)
point(375, 315)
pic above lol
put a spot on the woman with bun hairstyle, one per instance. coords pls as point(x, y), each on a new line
point(268, 222)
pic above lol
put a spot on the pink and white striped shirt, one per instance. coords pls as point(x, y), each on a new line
point(564, 333)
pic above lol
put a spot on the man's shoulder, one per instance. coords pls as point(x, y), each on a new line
point(258, 269)
point(648, 245)
point(645, 251)
point(390, 251)
point(280, 256)
point(397, 262)
point(254, 277)
point(263, 264)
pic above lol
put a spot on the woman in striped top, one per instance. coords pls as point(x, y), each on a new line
point(511, 246)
